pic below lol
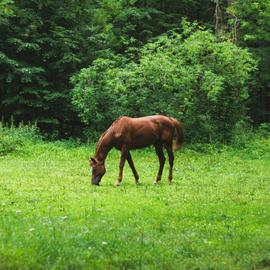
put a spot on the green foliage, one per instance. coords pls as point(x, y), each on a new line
point(14, 138)
point(192, 76)
point(93, 96)
point(264, 130)
point(9, 144)
point(254, 17)
point(5, 9)
point(123, 24)
point(40, 48)
point(43, 43)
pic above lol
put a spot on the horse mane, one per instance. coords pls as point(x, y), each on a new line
point(105, 132)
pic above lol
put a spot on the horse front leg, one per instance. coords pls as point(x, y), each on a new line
point(161, 158)
point(131, 165)
point(124, 154)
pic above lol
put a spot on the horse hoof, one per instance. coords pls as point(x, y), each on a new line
point(156, 183)
point(116, 184)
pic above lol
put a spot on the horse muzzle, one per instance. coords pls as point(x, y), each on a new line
point(96, 181)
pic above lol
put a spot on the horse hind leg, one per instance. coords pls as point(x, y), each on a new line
point(171, 161)
point(131, 165)
point(161, 157)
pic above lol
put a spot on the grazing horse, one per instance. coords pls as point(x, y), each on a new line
point(128, 133)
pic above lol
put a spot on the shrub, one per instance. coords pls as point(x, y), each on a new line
point(264, 130)
point(14, 138)
point(192, 76)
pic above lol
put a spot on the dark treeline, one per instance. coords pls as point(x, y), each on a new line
point(78, 64)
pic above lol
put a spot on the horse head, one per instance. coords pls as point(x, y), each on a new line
point(98, 170)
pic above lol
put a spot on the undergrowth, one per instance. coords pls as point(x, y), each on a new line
point(13, 138)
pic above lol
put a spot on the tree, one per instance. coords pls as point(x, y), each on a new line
point(40, 49)
point(254, 33)
point(43, 43)
point(192, 76)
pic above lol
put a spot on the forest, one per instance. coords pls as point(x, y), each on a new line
point(74, 66)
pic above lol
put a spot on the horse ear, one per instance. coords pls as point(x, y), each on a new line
point(93, 161)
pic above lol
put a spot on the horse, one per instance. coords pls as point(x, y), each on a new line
point(128, 133)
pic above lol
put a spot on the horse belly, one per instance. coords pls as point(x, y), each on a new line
point(141, 141)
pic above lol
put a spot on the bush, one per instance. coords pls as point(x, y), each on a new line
point(242, 134)
point(264, 130)
point(192, 76)
point(14, 138)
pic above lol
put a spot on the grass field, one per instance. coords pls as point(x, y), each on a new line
point(216, 214)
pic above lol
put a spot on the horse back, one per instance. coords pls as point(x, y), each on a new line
point(143, 131)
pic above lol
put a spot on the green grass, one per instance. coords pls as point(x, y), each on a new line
point(216, 215)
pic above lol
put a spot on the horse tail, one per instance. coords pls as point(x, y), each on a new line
point(179, 133)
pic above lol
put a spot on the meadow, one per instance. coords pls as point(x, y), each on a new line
point(215, 215)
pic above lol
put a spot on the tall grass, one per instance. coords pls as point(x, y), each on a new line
point(13, 138)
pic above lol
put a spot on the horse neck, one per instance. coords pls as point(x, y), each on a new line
point(103, 147)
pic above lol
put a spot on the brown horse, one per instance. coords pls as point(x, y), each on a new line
point(127, 133)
